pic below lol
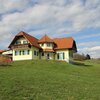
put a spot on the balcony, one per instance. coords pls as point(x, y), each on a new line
point(17, 46)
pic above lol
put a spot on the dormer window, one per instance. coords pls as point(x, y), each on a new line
point(48, 44)
point(25, 42)
point(18, 42)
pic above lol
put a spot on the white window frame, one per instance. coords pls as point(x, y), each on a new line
point(25, 41)
point(48, 44)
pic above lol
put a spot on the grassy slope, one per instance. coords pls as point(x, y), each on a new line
point(49, 80)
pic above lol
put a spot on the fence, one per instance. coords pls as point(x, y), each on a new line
point(5, 60)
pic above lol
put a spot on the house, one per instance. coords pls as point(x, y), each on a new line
point(27, 47)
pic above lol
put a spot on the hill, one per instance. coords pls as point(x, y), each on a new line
point(50, 80)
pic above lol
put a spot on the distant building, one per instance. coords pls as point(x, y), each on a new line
point(7, 53)
point(27, 47)
point(1, 51)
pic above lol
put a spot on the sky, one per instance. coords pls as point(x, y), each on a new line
point(79, 19)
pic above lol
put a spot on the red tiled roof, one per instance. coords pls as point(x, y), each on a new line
point(48, 50)
point(59, 43)
point(33, 41)
point(63, 43)
point(1, 51)
point(45, 39)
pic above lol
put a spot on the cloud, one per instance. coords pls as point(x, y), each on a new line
point(7, 6)
point(95, 48)
point(71, 17)
point(54, 17)
point(88, 36)
point(92, 48)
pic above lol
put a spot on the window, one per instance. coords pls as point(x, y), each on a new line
point(16, 53)
point(42, 53)
point(28, 52)
point(61, 56)
point(57, 55)
point(48, 44)
point(19, 52)
point(23, 52)
point(18, 42)
point(25, 42)
point(35, 53)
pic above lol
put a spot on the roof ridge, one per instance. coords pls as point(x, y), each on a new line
point(63, 38)
point(45, 38)
point(28, 34)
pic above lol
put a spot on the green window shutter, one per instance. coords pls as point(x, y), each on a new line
point(19, 52)
point(57, 55)
point(63, 55)
point(35, 53)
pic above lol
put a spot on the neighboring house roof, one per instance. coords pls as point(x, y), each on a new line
point(7, 52)
point(33, 41)
point(45, 39)
point(1, 51)
point(63, 43)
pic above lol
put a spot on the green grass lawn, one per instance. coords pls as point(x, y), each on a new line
point(50, 80)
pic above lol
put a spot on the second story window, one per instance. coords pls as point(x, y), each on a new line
point(48, 44)
point(18, 42)
point(25, 42)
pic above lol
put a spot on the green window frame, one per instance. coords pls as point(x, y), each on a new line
point(34, 52)
point(37, 53)
point(28, 52)
point(48, 44)
point(25, 42)
point(18, 42)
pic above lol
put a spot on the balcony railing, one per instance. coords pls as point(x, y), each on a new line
point(20, 46)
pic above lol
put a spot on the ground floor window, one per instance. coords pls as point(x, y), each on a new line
point(16, 53)
point(22, 52)
point(61, 56)
point(25, 52)
point(19, 52)
point(35, 53)
point(28, 52)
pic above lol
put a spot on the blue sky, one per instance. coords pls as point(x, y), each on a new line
point(79, 19)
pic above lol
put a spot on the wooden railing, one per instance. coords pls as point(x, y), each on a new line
point(20, 46)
